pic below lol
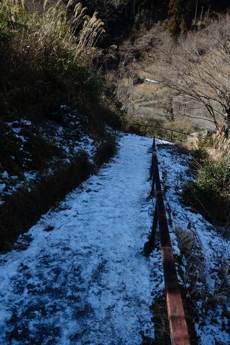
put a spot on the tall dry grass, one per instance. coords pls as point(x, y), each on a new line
point(47, 51)
point(52, 27)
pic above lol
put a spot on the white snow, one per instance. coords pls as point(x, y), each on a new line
point(5, 175)
point(65, 138)
point(2, 187)
point(83, 279)
point(30, 175)
point(211, 327)
point(68, 143)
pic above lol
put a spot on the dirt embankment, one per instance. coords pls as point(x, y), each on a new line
point(25, 205)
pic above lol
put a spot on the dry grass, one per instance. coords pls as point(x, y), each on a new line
point(47, 56)
point(195, 276)
point(47, 50)
point(209, 193)
point(198, 68)
point(220, 146)
point(191, 249)
point(193, 73)
point(53, 27)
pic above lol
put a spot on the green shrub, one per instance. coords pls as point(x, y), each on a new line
point(215, 176)
point(199, 157)
point(210, 192)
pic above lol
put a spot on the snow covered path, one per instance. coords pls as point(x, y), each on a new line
point(208, 253)
point(83, 278)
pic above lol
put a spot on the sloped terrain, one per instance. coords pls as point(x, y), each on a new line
point(202, 253)
point(83, 279)
point(80, 276)
point(163, 82)
point(32, 149)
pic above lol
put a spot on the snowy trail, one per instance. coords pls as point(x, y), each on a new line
point(83, 278)
point(212, 321)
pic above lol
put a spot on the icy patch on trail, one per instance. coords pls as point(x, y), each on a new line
point(83, 279)
point(211, 305)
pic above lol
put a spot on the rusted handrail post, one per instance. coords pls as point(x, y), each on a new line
point(176, 315)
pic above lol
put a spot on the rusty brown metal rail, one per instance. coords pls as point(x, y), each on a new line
point(178, 327)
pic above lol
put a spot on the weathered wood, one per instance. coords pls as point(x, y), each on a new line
point(176, 315)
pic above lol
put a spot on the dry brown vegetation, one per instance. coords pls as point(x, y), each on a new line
point(198, 67)
point(46, 56)
point(172, 88)
point(190, 76)
point(47, 51)
point(54, 26)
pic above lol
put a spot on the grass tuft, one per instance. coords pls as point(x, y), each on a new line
point(46, 57)
point(210, 192)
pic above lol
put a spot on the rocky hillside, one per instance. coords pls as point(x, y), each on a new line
point(172, 84)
